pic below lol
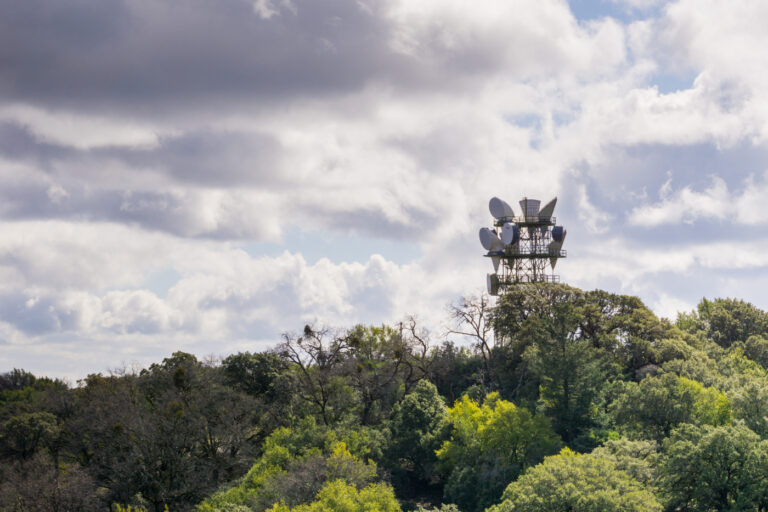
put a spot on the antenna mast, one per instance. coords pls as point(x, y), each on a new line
point(525, 248)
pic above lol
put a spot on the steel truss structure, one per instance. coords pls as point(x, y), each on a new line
point(528, 248)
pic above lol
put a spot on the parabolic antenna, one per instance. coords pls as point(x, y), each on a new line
point(500, 209)
point(510, 233)
point(496, 244)
point(490, 240)
point(485, 238)
point(558, 234)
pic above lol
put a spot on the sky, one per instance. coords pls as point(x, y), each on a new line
point(206, 175)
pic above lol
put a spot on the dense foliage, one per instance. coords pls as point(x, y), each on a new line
point(552, 399)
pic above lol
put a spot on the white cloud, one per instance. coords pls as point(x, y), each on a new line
point(686, 205)
point(715, 202)
point(523, 39)
point(640, 4)
point(266, 9)
point(81, 131)
point(219, 288)
point(595, 220)
point(668, 306)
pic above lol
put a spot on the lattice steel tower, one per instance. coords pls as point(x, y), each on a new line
point(523, 249)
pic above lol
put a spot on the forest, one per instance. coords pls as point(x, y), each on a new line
point(551, 399)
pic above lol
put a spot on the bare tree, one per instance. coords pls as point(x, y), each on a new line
point(470, 318)
point(317, 355)
point(416, 338)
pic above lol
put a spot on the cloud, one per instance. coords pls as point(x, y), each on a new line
point(715, 202)
point(266, 9)
point(274, 120)
point(143, 139)
point(640, 4)
point(667, 306)
point(77, 130)
point(87, 279)
point(525, 40)
point(593, 219)
point(143, 58)
point(686, 205)
point(158, 55)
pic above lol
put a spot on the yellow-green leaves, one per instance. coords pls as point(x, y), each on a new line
point(656, 405)
point(490, 444)
point(573, 482)
point(337, 496)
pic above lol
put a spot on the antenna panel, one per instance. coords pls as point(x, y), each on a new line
point(546, 212)
point(530, 207)
point(492, 283)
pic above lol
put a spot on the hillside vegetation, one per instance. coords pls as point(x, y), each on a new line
point(555, 399)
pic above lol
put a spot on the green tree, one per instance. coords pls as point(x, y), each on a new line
point(15, 380)
point(173, 433)
point(318, 357)
point(570, 482)
point(338, 496)
point(23, 435)
point(714, 469)
point(489, 445)
point(750, 404)
point(453, 370)
point(296, 463)
point(255, 374)
point(637, 458)
point(653, 407)
point(562, 344)
point(730, 320)
point(623, 326)
point(418, 427)
point(379, 368)
point(755, 348)
point(620, 328)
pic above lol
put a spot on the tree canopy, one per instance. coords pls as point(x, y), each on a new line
point(570, 482)
point(553, 398)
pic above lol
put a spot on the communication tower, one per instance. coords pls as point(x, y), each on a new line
point(524, 248)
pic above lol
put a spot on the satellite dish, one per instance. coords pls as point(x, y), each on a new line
point(510, 233)
point(549, 208)
point(530, 207)
point(490, 240)
point(500, 209)
point(485, 238)
point(497, 245)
